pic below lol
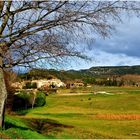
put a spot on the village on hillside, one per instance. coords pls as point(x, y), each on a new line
point(46, 85)
point(55, 83)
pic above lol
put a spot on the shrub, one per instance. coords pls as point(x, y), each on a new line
point(89, 80)
point(30, 85)
point(40, 99)
point(22, 100)
point(25, 100)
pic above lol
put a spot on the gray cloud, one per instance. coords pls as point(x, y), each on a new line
point(122, 48)
point(125, 41)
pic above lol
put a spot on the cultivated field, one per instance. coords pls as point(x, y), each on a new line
point(89, 115)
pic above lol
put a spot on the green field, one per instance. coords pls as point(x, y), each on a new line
point(89, 116)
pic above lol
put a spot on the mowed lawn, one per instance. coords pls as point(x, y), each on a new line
point(89, 116)
point(93, 116)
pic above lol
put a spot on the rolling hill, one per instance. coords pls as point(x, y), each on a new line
point(96, 72)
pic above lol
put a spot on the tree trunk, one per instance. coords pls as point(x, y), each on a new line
point(3, 92)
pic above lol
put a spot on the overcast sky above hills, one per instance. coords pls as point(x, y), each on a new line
point(122, 48)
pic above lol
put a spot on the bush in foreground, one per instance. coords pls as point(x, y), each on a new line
point(40, 99)
point(24, 100)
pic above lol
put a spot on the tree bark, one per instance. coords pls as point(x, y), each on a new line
point(3, 92)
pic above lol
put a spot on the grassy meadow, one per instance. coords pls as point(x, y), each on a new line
point(86, 116)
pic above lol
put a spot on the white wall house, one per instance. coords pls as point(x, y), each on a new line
point(55, 82)
point(42, 82)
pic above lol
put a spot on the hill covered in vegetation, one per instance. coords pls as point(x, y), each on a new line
point(96, 72)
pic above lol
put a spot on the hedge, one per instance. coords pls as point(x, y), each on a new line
point(23, 100)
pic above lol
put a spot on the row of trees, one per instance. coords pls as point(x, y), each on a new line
point(32, 32)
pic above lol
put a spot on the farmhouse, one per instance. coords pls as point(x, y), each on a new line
point(40, 83)
point(52, 82)
point(18, 85)
point(73, 84)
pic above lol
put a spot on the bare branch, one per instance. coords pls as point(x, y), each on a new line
point(33, 30)
point(4, 22)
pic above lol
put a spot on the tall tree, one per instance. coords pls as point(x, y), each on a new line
point(41, 30)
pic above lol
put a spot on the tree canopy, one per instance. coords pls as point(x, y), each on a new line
point(38, 30)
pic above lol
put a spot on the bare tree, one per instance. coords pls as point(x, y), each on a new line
point(41, 30)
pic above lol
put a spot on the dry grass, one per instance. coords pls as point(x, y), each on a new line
point(118, 116)
point(4, 136)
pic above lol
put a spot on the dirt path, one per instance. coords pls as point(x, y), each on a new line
point(73, 94)
point(85, 93)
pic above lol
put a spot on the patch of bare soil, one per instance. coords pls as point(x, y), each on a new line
point(118, 116)
point(46, 126)
point(70, 94)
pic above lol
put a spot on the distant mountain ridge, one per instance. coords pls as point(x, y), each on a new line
point(115, 70)
point(85, 73)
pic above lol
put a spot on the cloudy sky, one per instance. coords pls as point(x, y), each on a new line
point(122, 48)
